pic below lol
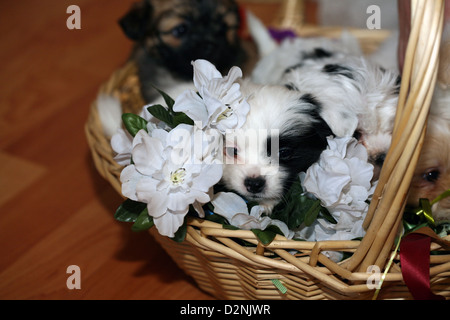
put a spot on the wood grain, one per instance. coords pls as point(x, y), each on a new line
point(55, 209)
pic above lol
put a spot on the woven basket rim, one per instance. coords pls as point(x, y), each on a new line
point(351, 271)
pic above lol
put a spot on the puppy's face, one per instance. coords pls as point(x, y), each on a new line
point(376, 118)
point(432, 174)
point(177, 32)
point(283, 135)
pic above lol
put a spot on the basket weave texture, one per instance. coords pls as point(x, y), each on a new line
point(227, 270)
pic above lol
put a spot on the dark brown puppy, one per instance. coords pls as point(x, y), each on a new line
point(169, 34)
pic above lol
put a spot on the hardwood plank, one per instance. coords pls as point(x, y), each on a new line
point(60, 211)
point(16, 174)
point(55, 208)
point(48, 65)
point(130, 265)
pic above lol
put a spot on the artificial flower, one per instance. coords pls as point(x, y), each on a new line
point(121, 143)
point(218, 102)
point(232, 207)
point(167, 176)
point(122, 140)
point(341, 180)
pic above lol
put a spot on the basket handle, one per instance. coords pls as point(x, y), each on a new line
point(291, 14)
point(418, 83)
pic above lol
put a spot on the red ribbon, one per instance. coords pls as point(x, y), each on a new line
point(415, 263)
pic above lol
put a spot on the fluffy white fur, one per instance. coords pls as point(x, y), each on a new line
point(274, 111)
point(354, 94)
point(275, 59)
point(365, 103)
point(110, 113)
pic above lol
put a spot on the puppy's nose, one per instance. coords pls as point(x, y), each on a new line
point(255, 185)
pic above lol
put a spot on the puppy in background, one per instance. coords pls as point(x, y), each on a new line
point(355, 96)
point(170, 34)
point(283, 135)
point(432, 175)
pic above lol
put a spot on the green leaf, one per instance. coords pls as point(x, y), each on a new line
point(143, 222)
point(297, 208)
point(325, 214)
point(217, 219)
point(312, 213)
point(180, 235)
point(167, 99)
point(180, 117)
point(229, 227)
point(129, 211)
point(134, 123)
point(161, 113)
point(267, 235)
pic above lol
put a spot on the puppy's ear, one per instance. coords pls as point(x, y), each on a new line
point(134, 23)
point(322, 128)
point(260, 35)
point(341, 122)
point(321, 125)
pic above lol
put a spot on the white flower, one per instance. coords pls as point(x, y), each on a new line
point(232, 207)
point(168, 176)
point(341, 180)
point(121, 143)
point(219, 103)
point(122, 140)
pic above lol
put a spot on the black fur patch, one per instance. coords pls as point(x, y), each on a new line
point(309, 98)
point(317, 53)
point(336, 69)
point(135, 22)
point(297, 152)
point(290, 86)
point(398, 83)
point(292, 68)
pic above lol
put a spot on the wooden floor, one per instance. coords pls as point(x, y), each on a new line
point(55, 210)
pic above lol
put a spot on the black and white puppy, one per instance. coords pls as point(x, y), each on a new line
point(170, 34)
point(282, 136)
point(356, 96)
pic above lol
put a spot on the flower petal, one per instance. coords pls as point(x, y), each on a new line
point(192, 105)
point(245, 221)
point(147, 153)
point(228, 204)
point(169, 223)
point(156, 200)
point(121, 141)
point(129, 178)
point(204, 71)
point(209, 176)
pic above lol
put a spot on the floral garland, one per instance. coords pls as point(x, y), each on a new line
point(172, 158)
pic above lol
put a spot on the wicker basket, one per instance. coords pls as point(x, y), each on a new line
point(227, 270)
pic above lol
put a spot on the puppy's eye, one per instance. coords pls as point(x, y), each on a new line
point(180, 30)
point(432, 176)
point(231, 152)
point(286, 153)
